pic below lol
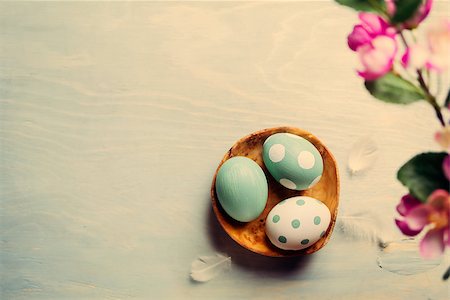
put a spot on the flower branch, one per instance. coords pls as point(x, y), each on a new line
point(426, 207)
point(428, 96)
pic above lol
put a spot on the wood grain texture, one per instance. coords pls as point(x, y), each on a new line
point(114, 116)
point(251, 235)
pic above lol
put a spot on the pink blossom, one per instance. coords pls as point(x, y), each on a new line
point(370, 27)
point(442, 137)
point(432, 54)
point(438, 38)
point(416, 19)
point(390, 7)
point(374, 41)
point(416, 216)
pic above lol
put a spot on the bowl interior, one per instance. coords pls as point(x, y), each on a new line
point(251, 235)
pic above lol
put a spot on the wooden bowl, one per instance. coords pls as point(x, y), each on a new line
point(251, 235)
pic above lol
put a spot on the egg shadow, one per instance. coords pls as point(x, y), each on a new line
point(279, 267)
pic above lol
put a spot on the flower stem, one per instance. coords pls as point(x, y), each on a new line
point(402, 36)
point(446, 274)
point(428, 96)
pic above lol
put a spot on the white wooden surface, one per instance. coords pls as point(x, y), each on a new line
point(114, 116)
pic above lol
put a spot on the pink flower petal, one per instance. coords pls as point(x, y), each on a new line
point(390, 7)
point(420, 15)
point(358, 37)
point(446, 166)
point(407, 203)
point(404, 228)
point(438, 40)
point(375, 61)
point(432, 245)
point(417, 218)
point(406, 57)
point(372, 23)
point(439, 200)
point(442, 137)
point(368, 75)
point(375, 25)
point(385, 44)
point(415, 56)
point(447, 237)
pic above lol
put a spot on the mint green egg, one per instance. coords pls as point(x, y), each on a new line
point(241, 188)
point(293, 161)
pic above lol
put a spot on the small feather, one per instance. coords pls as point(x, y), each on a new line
point(364, 226)
point(362, 155)
point(205, 268)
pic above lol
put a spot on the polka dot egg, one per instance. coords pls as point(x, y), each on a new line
point(297, 223)
point(293, 161)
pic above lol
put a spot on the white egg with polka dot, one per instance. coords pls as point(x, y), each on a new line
point(297, 223)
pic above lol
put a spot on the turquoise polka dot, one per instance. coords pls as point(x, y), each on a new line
point(295, 223)
point(276, 218)
point(282, 202)
point(305, 242)
point(322, 234)
point(300, 202)
point(282, 239)
point(317, 220)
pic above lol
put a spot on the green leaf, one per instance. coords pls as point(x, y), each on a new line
point(405, 9)
point(423, 174)
point(364, 5)
point(394, 89)
point(447, 100)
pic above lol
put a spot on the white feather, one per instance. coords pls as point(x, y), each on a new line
point(205, 268)
point(362, 155)
point(364, 226)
